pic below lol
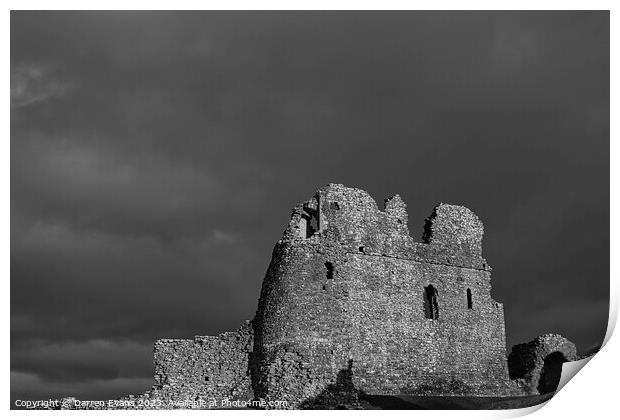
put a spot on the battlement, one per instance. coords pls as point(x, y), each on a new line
point(351, 219)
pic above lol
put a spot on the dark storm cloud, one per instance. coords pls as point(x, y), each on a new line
point(156, 156)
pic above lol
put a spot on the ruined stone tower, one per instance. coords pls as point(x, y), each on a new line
point(348, 288)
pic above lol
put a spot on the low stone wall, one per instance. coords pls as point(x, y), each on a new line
point(207, 367)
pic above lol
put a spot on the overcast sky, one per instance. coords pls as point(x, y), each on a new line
point(155, 158)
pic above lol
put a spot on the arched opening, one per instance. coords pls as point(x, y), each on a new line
point(551, 372)
point(431, 308)
point(470, 303)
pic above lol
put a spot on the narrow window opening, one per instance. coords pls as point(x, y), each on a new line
point(470, 304)
point(431, 308)
point(330, 270)
point(324, 287)
point(361, 248)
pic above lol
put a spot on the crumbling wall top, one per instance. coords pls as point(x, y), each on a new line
point(396, 207)
point(350, 219)
point(454, 226)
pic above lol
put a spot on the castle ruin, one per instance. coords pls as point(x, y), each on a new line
point(352, 304)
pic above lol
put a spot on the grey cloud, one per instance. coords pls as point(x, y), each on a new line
point(31, 84)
